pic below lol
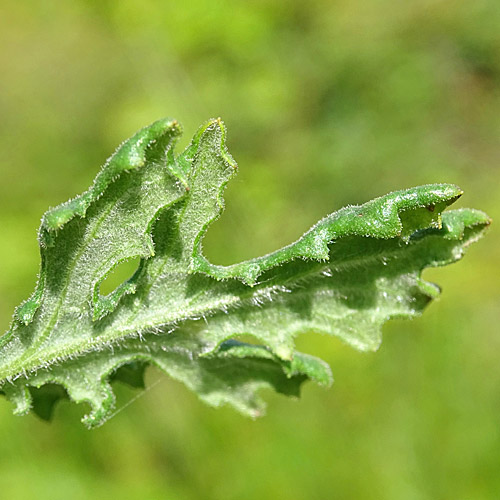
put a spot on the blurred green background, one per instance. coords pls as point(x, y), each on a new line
point(326, 103)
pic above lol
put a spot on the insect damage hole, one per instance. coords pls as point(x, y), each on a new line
point(121, 273)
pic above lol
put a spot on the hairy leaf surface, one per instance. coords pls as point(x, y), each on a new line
point(346, 276)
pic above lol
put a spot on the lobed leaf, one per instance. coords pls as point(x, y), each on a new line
point(346, 276)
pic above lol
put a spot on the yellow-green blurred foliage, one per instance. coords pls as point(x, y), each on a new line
point(326, 103)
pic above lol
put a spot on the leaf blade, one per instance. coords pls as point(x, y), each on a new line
point(347, 275)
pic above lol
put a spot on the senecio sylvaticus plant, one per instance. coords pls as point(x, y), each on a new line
point(346, 276)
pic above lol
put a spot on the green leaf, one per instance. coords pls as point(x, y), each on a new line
point(345, 277)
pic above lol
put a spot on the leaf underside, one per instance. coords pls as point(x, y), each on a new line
point(346, 276)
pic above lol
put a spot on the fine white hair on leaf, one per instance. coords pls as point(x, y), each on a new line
point(192, 318)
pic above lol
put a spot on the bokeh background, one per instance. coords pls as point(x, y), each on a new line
point(326, 103)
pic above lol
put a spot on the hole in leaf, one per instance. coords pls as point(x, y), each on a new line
point(121, 273)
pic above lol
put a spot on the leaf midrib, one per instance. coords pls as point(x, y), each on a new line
point(131, 330)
